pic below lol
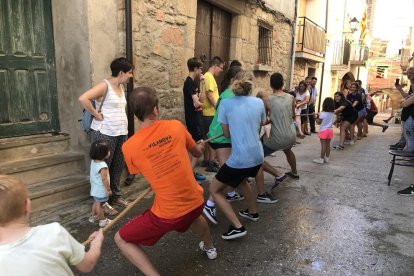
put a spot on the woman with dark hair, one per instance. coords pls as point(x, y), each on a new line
point(349, 117)
point(301, 107)
point(356, 99)
point(345, 87)
point(111, 124)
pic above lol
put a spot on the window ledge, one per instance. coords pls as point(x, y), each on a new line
point(263, 68)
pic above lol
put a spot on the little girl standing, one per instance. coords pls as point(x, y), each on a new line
point(326, 120)
point(99, 178)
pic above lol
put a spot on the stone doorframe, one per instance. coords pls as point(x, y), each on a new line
point(393, 94)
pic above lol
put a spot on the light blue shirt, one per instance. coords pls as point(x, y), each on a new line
point(97, 187)
point(244, 115)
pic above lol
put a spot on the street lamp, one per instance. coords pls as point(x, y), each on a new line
point(353, 23)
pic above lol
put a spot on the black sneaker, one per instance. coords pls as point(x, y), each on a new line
point(397, 146)
point(210, 213)
point(246, 214)
point(234, 233)
point(236, 197)
point(211, 168)
point(407, 191)
point(266, 198)
point(278, 180)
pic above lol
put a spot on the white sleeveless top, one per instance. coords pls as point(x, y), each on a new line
point(115, 121)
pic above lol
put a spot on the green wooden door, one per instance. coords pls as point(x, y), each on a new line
point(28, 100)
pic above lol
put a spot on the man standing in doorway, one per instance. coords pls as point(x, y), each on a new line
point(211, 95)
point(311, 107)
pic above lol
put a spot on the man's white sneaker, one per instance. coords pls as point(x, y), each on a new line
point(326, 159)
point(210, 252)
point(318, 160)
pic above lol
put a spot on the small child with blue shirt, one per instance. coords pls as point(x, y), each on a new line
point(99, 178)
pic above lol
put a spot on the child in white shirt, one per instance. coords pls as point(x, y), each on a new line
point(326, 119)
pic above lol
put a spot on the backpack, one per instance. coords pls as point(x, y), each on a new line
point(87, 117)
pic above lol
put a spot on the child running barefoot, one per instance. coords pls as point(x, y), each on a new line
point(99, 178)
point(41, 250)
point(326, 120)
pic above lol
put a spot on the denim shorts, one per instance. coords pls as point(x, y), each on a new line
point(101, 199)
point(409, 133)
point(362, 113)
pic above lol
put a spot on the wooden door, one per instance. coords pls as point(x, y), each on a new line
point(28, 100)
point(213, 31)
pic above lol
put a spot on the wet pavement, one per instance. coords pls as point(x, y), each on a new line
point(339, 218)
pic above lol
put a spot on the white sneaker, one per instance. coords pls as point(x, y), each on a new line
point(104, 222)
point(93, 219)
point(349, 142)
point(210, 252)
point(318, 160)
point(326, 159)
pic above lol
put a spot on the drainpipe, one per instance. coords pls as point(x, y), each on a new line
point(292, 48)
point(128, 46)
point(323, 65)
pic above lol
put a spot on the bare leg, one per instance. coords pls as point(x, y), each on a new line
point(248, 195)
point(222, 156)
point(260, 182)
point(200, 227)
point(299, 126)
point(216, 190)
point(136, 256)
point(270, 169)
point(99, 211)
point(328, 147)
point(365, 128)
point(193, 160)
point(290, 156)
point(323, 148)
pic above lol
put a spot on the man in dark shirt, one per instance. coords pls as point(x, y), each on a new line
point(407, 117)
point(193, 106)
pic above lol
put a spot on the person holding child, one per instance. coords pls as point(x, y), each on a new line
point(111, 125)
point(326, 119)
point(41, 250)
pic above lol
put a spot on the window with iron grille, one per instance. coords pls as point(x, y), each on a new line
point(265, 43)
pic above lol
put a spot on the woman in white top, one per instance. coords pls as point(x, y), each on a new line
point(111, 124)
point(301, 107)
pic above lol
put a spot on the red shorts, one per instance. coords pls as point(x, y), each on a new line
point(146, 228)
point(326, 134)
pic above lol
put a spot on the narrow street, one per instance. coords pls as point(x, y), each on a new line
point(339, 218)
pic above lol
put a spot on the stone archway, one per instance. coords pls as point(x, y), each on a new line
point(393, 94)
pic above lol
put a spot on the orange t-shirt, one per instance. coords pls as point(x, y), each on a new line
point(159, 153)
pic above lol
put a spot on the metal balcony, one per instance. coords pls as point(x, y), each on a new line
point(310, 40)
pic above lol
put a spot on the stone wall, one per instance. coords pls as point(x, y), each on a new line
point(164, 39)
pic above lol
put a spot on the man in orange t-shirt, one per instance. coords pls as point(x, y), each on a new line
point(158, 151)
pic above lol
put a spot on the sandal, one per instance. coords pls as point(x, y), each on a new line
point(291, 174)
point(109, 210)
point(120, 201)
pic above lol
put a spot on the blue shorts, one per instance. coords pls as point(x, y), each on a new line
point(100, 199)
point(362, 113)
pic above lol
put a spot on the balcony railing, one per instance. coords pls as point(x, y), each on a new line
point(310, 38)
point(359, 55)
point(341, 52)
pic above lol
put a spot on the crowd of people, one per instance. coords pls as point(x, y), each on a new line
point(241, 131)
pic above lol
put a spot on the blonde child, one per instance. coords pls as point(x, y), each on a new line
point(99, 178)
point(326, 119)
point(41, 250)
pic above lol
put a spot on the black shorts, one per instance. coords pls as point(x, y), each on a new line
point(206, 125)
point(219, 145)
point(195, 131)
point(370, 116)
point(351, 119)
point(304, 118)
point(234, 177)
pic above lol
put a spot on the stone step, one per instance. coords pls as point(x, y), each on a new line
point(45, 168)
point(62, 190)
point(18, 148)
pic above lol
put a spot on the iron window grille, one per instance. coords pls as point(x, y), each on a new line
point(265, 43)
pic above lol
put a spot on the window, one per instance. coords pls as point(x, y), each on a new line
point(265, 43)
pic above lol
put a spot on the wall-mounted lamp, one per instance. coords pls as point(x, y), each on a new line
point(353, 23)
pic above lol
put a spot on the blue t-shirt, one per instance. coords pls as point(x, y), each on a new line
point(243, 114)
point(97, 187)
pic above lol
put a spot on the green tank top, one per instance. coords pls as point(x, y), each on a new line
point(215, 126)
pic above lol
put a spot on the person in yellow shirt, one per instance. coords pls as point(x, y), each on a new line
point(211, 95)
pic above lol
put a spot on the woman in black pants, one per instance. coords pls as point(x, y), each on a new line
point(349, 117)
